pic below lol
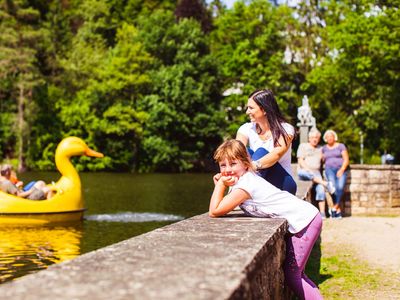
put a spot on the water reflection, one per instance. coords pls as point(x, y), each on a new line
point(120, 206)
point(25, 250)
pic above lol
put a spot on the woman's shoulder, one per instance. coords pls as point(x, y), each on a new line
point(246, 127)
point(289, 128)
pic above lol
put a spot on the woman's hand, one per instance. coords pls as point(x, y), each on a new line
point(339, 173)
point(345, 156)
point(275, 155)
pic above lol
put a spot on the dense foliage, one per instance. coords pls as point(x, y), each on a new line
point(157, 84)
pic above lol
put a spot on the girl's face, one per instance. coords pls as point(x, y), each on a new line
point(234, 168)
point(254, 111)
point(330, 139)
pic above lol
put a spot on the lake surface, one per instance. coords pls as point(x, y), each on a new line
point(120, 206)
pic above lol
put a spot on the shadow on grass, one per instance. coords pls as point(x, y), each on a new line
point(313, 266)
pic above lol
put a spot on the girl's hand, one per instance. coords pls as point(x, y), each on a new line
point(229, 180)
point(216, 178)
point(339, 173)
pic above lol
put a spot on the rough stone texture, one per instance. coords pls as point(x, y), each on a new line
point(372, 190)
point(233, 257)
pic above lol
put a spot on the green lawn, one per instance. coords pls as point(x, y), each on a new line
point(340, 275)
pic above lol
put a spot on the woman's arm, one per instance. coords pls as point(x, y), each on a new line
point(275, 155)
point(345, 164)
point(220, 205)
point(241, 137)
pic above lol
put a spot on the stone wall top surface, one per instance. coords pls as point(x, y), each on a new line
point(374, 167)
point(198, 258)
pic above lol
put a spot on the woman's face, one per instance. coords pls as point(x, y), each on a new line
point(330, 139)
point(254, 111)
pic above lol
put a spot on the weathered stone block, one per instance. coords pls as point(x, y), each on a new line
point(379, 174)
point(373, 188)
point(381, 203)
point(382, 196)
point(355, 187)
point(377, 181)
point(395, 201)
point(364, 197)
point(356, 174)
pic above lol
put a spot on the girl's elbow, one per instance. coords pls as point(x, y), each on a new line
point(214, 214)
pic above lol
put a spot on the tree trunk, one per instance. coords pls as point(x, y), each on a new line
point(20, 131)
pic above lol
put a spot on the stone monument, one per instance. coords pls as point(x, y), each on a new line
point(307, 121)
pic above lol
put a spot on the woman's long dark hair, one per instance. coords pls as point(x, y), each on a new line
point(266, 100)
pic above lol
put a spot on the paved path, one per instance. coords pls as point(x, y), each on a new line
point(376, 239)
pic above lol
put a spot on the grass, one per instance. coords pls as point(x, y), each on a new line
point(340, 275)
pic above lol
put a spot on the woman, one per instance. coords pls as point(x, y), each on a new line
point(269, 138)
point(336, 160)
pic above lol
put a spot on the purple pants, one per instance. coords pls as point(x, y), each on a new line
point(298, 249)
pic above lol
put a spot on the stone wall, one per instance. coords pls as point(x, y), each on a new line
point(372, 190)
point(233, 257)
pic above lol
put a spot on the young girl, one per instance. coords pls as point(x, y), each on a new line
point(258, 198)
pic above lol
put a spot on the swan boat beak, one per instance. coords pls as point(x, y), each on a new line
point(92, 153)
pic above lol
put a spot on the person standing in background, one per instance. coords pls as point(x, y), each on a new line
point(309, 159)
point(336, 159)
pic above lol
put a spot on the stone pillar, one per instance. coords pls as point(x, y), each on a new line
point(306, 120)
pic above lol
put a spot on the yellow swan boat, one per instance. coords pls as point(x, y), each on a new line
point(66, 205)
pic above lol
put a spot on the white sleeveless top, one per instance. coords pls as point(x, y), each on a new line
point(255, 142)
point(267, 201)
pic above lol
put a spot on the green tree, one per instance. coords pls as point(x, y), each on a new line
point(249, 43)
point(185, 123)
point(356, 84)
point(99, 99)
point(22, 40)
point(195, 9)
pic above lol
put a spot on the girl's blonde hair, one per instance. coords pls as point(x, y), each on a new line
point(233, 150)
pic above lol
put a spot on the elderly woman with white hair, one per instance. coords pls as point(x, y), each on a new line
point(336, 159)
point(309, 159)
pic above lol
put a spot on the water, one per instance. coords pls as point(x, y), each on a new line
point(120, 206)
